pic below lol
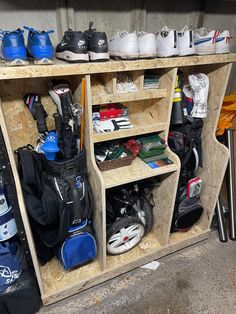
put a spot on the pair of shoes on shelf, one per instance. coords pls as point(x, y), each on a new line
point(83, 46)
point(189, 42)
point(39, 47)
point(171, 42)
point(134, 45)
point(211, 41)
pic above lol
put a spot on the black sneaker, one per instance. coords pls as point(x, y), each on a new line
point(97, 44)
point(73, 47)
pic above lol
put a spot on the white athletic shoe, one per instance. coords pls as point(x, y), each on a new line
point(146, 45)
point(205, 41)
point(223, 42)
point(167, 43)
point(124, 45)
point(186, 42)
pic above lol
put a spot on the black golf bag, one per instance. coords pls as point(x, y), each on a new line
point(58, 200)
point(185, 141)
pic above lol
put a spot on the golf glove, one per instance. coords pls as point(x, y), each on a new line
point(199, 84)
point(112, 125)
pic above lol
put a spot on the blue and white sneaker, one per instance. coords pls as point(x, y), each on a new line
point(205, 41)
point(39, 46)
point(13, 50)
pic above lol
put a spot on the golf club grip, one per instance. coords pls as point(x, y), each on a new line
point(40, 118)
point(65, 102)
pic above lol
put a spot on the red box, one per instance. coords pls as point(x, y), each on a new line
point(110, 111)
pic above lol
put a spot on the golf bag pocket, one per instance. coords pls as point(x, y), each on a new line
point(79, 247)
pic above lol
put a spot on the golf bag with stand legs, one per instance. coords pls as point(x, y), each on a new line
point(185, 141)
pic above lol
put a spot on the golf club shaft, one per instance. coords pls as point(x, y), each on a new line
point(231, 184)
point(221, 222)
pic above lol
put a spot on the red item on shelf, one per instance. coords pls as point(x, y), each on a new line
point(133, 146)
point(110, 111)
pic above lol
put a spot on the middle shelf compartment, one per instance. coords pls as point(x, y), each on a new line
point(140, 126)
point(138, 170)
point(145, 94)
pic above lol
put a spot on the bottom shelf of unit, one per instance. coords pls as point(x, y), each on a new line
point(148, 245)
point(138, 170)
point(59, 284)
point(55, 278)
point(176, 237)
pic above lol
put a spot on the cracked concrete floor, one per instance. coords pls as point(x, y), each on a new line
point(199, 279)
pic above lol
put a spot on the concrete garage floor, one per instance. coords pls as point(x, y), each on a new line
point(199, 279)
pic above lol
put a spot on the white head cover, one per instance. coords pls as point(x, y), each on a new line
point(199, 84)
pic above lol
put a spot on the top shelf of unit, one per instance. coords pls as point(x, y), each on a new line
point(61, 68)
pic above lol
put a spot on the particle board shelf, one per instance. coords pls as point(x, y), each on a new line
point(59, 284)
point(138, 170)
point(61, 68)
point(145, 94)
point(139, 128)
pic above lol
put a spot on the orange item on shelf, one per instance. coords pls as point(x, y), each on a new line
point(227, 114)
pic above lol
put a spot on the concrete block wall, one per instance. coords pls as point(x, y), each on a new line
point(113, 15)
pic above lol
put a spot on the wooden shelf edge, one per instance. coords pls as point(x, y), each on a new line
point(136, 130)
point(61, 68)
point(110, 273)
point(141, 95)
point(123, 175)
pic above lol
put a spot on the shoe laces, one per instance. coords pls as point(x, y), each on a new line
point(165, 31)
point(185, 29)
point(3, 33)
point(34, 31)
point(123, 33)
point(141, 33)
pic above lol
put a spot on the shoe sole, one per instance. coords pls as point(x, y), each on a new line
point(99, 56)
point(118, 55)
point(43, 61)
point(205, 50)
point(16, 62)
point(147, 56)
point(72, 57)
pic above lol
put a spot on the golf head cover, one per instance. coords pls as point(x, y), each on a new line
point(50, 147)
point(199, 84)
point(33, 103)
point(58, 91)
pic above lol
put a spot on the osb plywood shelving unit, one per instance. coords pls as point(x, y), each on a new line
point(149, 111)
